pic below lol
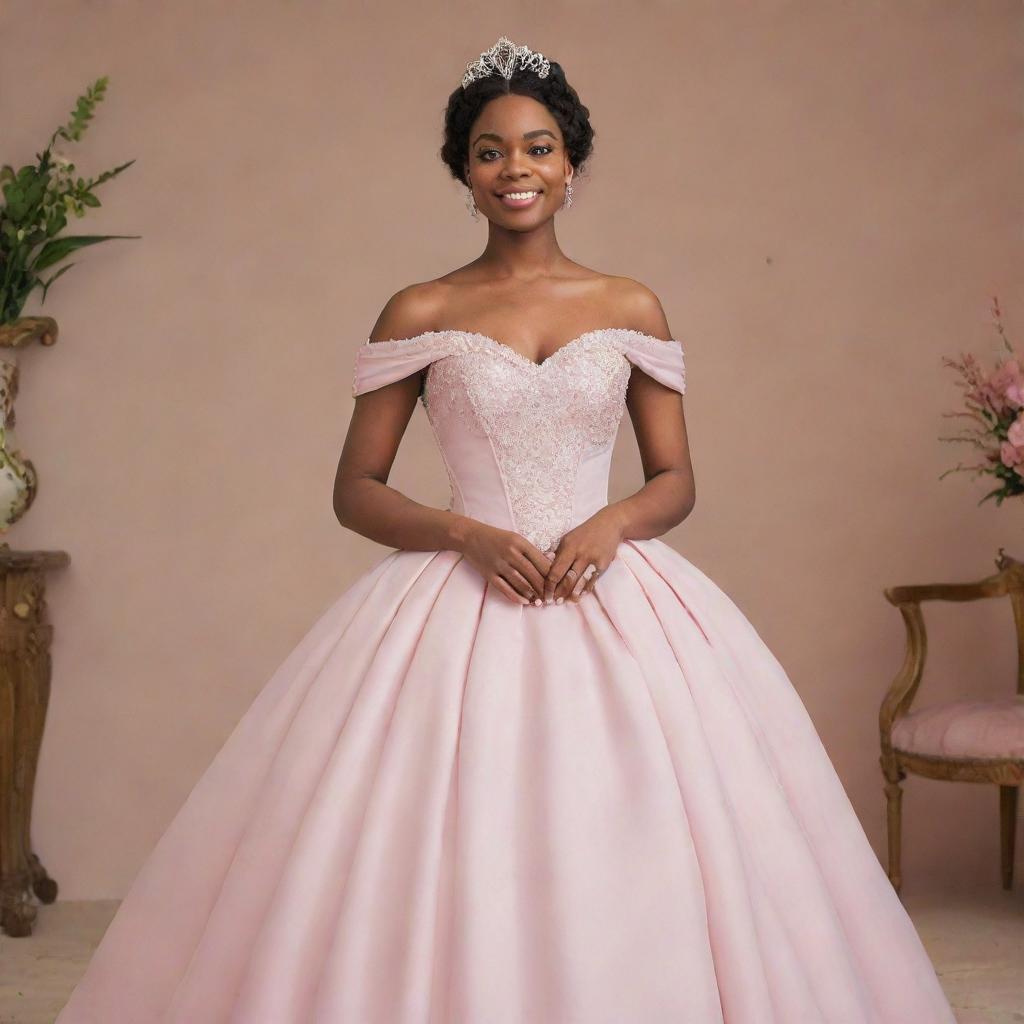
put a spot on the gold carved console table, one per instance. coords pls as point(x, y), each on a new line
point(24, 695)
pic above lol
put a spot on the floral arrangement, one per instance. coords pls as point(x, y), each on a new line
point(995, 408)
point(37, 200)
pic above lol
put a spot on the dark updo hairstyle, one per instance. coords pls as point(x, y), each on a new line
point(465, 104)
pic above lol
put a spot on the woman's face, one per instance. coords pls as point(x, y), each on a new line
point(515, 146)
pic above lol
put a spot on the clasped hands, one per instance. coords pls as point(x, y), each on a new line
point(527, 575)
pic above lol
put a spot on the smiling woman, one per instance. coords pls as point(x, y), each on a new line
point(533, 765)
point(545, 156)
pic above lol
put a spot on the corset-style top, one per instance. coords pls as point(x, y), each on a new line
point(527, 446)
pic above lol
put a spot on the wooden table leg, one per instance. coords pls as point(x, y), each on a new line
point(25, 669)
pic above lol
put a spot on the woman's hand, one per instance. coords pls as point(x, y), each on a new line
point(594, 542)
point(508, 560)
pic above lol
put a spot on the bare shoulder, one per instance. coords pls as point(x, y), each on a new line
point(411, 311)
point(639, 307)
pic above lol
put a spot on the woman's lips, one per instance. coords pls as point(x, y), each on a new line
point(519, 204)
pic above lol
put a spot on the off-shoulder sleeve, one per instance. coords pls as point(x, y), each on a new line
point(381, 362)
point(662, 360)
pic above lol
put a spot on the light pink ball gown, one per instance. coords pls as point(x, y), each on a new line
point(448, 808)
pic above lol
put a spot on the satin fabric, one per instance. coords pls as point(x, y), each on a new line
point(448, 808)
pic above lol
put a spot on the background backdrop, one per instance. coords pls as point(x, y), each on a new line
point(824, 195)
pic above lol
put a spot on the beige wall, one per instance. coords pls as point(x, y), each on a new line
point(825, 195)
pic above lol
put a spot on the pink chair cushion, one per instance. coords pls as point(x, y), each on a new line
point(967, 728)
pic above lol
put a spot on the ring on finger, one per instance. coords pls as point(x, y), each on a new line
point(590, 574)
point(581, 584)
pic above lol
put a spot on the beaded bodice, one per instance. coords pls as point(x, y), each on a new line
point(527, 446)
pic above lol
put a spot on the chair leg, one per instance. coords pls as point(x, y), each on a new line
point(1008, 830)
point(894, 816)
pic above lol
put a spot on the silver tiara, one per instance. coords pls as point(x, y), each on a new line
point(504, 57)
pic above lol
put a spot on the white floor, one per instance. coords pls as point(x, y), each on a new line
point(975, 939)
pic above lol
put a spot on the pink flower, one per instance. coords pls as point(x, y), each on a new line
point(1010, 455)
point(994, 415)
point(1015, 435)
point(1004, 387)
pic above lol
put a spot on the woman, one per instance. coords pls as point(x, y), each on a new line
point(533, 766)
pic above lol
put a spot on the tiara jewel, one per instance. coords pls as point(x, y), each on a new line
point(503, 57)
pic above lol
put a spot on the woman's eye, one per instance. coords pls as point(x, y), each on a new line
point(483, 153)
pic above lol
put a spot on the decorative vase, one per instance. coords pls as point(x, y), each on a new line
point(18, 480)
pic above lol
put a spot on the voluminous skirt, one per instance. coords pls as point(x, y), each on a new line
point(447, 808)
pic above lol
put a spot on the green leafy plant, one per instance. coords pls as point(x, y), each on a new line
point(37, 202)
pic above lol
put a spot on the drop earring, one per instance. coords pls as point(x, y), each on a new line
point(567, 202)
point(471, 204)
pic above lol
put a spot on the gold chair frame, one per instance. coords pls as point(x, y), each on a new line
point(1006, 772)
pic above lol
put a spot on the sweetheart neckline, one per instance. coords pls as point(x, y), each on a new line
point(395, 342)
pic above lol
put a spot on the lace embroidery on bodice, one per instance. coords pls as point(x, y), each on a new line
point(540, 423)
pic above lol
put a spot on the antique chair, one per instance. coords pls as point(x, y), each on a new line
point(963, 741)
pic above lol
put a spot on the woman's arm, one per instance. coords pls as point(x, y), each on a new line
point(656, 411)
point(363, 501)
